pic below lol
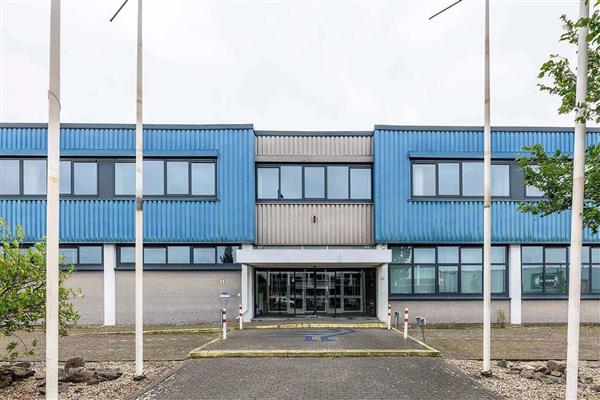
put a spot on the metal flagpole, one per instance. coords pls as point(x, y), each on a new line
point(52, 205)
point(577, 211)
point(487, 203)
point(139, 204)
point(139, 210)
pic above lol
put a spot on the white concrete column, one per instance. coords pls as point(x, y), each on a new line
point(514, 273)
point(247, 292)
point(110, 263)
point(382, 292)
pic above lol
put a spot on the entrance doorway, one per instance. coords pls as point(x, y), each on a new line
point(315, 291)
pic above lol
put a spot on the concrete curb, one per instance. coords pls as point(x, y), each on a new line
point(312, 353)
point(154, 332)
point(199, 349)
point(435, 352)
point(371, 325)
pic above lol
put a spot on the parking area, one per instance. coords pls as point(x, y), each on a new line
point(318, 378)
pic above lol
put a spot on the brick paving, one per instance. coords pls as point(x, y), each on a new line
point(318, 378)
point(314, 339)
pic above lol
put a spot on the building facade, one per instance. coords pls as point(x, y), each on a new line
point(299, 224)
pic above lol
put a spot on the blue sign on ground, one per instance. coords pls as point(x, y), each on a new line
point(322, 335)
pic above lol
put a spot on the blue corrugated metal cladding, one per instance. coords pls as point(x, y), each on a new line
point(400, 220)
point(230, 219)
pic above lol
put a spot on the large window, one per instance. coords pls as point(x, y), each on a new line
point(178, 256)
point(445, 270)
point(168, 178)
point(81, 256)
point(457, 179)
point(544, 270)
point(79, 178)
point(313, 182)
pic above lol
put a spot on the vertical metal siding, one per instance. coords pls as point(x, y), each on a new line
point(292, 224)
point(314, 146)
point(400, 220)
point(229, 219)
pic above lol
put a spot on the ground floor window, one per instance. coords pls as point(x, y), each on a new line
point(81, 257)
point(545, 270)
point(315, 291)
point(178, 256)
point(445, 270)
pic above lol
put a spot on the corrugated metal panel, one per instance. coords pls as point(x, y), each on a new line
point(313, 148)
point(336, 224)
point(113, 221)
point(399, 220)
point(229, 219)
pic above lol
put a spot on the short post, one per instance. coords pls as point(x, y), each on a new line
point(224, 319)
point(389, 321)
point(405, 323)
point(240, 317)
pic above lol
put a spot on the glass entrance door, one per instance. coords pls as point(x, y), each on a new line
point(316, 291)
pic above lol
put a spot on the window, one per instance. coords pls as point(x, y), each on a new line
point(423, 179)
point(179, 256)
point(183, 178)
point(203, 179)
point(268, 183)
point(65, 177)
point(458, 178)
point(34, 177)
point(291, 182)
point(85, 178)
point(313, 182)
point(532, 191)
point(445, 271)
point(545, 270)
point(337, 182)
point(81, 256)
point(125, 178)
point(9, 177)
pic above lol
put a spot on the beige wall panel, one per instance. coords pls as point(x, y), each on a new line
point(91, 305)
point(178, 297)
point(534, 311)
point(336, 224)
point(449, 312)
point(314, 148)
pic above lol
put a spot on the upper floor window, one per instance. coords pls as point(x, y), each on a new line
point(28, 177)
point(532, 191)
point(168, 178)
point(445, 270)
point(544, 270)
point(457, 178)
point(313, 182)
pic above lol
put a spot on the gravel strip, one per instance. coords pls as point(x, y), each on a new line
point(118, 389)
point(515, 387)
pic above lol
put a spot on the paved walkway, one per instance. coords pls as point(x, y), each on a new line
point(318, 378)
point(314, 339)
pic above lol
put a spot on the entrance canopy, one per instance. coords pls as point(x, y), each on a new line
point(311, 257)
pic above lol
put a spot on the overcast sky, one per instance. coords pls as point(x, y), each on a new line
point(294, 65)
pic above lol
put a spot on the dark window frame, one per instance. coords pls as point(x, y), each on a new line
point(165, 195)
point(305, 199)
point(447, 295)
point(192, 265)
point(83, 267)
point(460, 163)
point(592, 291)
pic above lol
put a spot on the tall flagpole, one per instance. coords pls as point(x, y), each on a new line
point(487, 203)
point(52, 205)
point(139, 210)
point(577, 210)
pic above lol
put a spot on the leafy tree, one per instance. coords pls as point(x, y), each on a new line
point(23, 291)
point(553, 173)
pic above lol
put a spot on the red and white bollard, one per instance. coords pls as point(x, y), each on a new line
point(405, 323)
point(389, 316)
point(224, 318)
point(240, 317)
